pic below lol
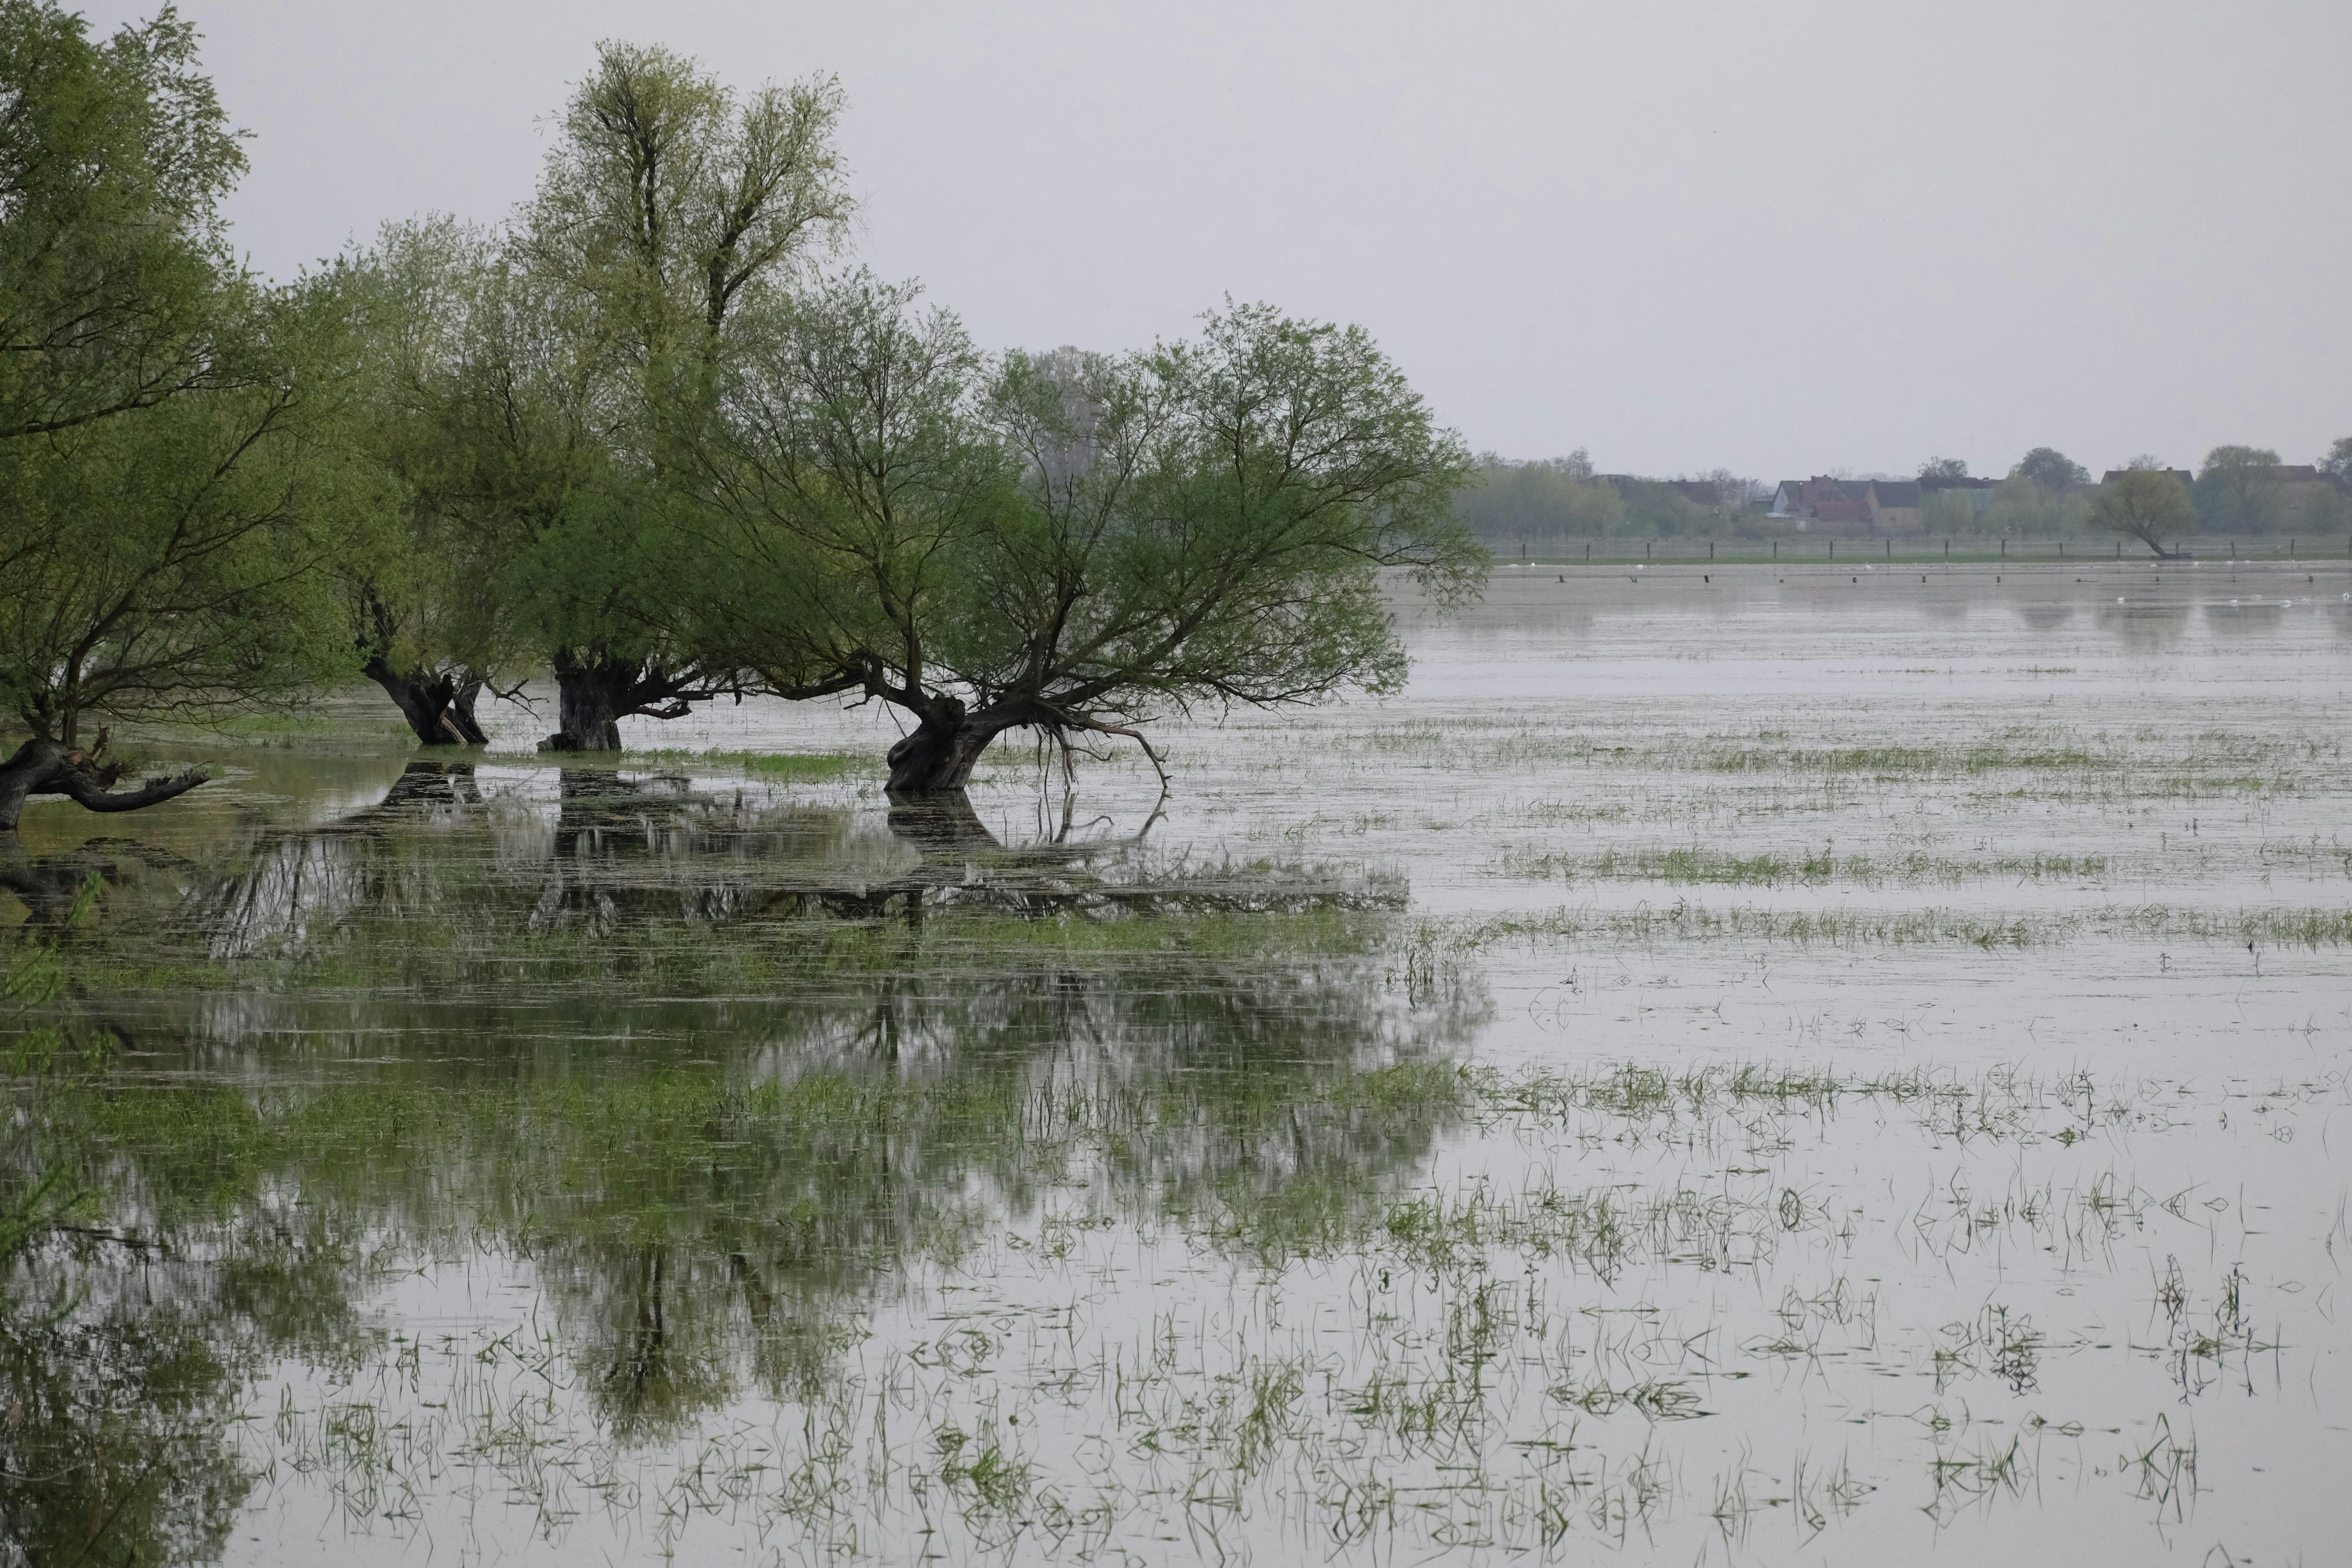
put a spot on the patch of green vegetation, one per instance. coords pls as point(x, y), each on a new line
point(283, 730)
point(783, 767)
point(1698, 864)
point(1686, 921)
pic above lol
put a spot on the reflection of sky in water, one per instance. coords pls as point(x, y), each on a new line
point(1130, 1220)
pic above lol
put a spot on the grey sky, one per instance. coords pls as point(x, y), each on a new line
point(1683, 233)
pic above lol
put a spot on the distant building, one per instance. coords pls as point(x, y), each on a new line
point(1895, 506)
point(1822, 502)
point(2183, 475)
point(1699, 492)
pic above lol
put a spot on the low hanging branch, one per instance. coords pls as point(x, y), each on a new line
point(1095, 726)
point(45, 767)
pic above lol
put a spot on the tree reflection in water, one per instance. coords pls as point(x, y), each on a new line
point(707, 1186)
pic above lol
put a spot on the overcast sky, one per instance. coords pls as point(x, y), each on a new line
point(1783, 239)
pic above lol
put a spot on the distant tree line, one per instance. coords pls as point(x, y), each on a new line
point(1563, 498)
point(648, 433)
point(2237, 490)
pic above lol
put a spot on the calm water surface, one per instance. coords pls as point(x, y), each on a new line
point(1727, 1067)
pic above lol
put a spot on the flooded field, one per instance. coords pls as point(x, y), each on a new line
point(1737, 1066)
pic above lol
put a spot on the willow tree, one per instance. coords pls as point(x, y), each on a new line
point(2145, 503)
point(1069, 543)
point(174, 562)
point(164, 471)
point(114, 158)
point(668, 203)
point(465, 433)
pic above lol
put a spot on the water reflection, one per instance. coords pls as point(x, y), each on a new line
point(611, 851)
point(917, 1034)
point(2147, 628)
point(127, 1357)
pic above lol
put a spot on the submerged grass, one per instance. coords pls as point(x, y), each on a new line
point(1700, 865)
point(1391, 1357)
point(1686, 921)
point(780, 767)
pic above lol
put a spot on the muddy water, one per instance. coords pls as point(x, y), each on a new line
point(1729, 1067)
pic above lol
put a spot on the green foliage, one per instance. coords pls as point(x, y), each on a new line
point(851, 478)
point(33, 976)
point(1950, 511)
point(667, 201)
point(2146, 504)
point(114, 159)
point(168, 561)
point(529, 381)
point(168, 479)
point(458, 403)
point(2237, 490)
point(1548, 498)
point(2320, 509)
point(1069, 540)
point(1949, 467)
point(2021, 506)
point(2050, 468)
point(1656, 508)
point(621, 438)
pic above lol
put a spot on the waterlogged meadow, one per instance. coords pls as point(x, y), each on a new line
point(1730, 1067)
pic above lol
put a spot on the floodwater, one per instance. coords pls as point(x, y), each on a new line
point(1730, 1067)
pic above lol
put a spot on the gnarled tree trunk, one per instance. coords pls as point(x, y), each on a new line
point(46, 767)
point(590, 697)
point(936, 758)
point(439, 707)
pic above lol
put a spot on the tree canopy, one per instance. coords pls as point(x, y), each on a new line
point(2147, 504)
point(2050, 468)
point(1067, 541)
point(2237, 490)
point(668, 204)
point(634, 436)
point(114, 159)
point(169, 472)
